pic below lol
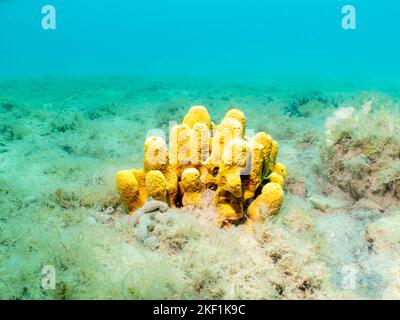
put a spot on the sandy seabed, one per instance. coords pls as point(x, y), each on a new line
point(63, 140)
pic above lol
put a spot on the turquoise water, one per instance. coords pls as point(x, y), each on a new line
point(207, 37)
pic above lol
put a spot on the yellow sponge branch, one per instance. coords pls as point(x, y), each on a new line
point(156, 185)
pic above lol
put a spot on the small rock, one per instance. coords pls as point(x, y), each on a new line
point(356, 190)
point(154, 205)
point(363, 214)
point(150, 208)
point(141, 230)
point(109, 210)
point(324, 203)
point(20, 130)
point(129, 219)
point(162, 217)
point(151, 242)
point(368, 204)
point(103, 218)
point(91, 221)
point(164, 208)
point(147, 219)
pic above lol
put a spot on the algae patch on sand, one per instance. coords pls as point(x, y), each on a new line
point(59, 205)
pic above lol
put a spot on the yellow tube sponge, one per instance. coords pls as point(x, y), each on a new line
point(280, 169)
point(272, 156)
point(253, 173)
point(156, 157)
point(238, 115)
point(277, 178)
point(235, 154)
point(180, 148)
point(156, 185)
point(141, 179)
point(273, 194)
point(268, 203)
point(204, 155)
point(172, 185)
point(266, 141)
point(274, 151)
point(200, 145)
point(129, 190)
point(229, 196)
point(224, 134)
point(197, 114)
point(155, 154)
point(191, 187)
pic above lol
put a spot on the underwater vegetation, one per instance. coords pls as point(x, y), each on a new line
point(203, 156)
point(59, 204)
point(362, 152)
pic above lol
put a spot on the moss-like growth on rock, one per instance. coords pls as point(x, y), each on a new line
point(362, 151)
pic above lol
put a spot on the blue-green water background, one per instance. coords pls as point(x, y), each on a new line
point(200, 37)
